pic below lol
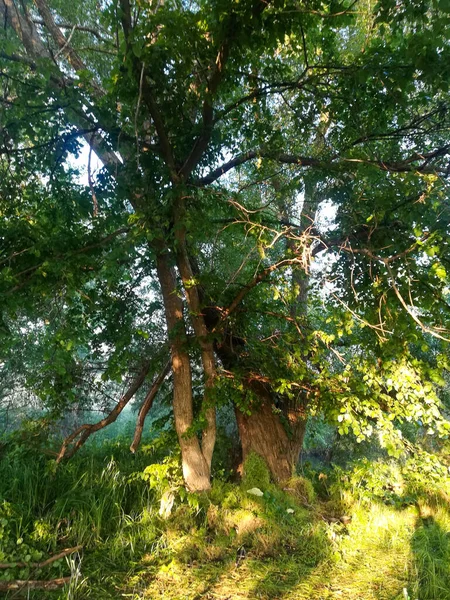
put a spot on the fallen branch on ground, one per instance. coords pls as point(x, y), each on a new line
point(17, 584)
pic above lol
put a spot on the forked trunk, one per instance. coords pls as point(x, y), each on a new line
point(196, 471)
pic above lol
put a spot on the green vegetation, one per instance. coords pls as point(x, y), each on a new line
point(225, 245)
point(370, 530)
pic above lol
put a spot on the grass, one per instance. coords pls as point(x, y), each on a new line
point(286, 545)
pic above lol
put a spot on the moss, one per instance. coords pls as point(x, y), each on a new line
point(301, 489)
point(256, 473)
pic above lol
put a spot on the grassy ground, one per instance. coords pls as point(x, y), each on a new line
point(287, 544)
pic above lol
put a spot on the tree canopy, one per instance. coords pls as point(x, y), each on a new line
point(271, 210)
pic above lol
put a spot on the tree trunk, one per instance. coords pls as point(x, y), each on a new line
point(200, 329)
point(264, 433)
point(196, 471)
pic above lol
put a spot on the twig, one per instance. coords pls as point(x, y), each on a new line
point(18, 584)
point(77, 27)
point(434, 331)
point(136, 115)
point(91, 185)
point(358, 318)
point(66, 44)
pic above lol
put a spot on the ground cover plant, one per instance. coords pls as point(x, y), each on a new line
point(366, 529)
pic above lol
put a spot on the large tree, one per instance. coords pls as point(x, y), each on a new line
point(224, 129)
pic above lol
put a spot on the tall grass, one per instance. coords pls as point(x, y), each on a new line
point(366, 537)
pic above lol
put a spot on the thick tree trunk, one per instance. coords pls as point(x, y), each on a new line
point(263, 432)
point(196, 470)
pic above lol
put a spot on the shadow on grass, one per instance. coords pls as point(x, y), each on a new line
point(430, 546)
point(276, 578)
point(254, 550)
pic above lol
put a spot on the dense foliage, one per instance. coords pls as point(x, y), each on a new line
point(270, 206)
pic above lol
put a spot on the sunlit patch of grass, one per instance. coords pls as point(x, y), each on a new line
point(367, 560)
point(372, 555)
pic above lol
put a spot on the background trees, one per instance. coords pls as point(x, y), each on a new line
point(224, 131)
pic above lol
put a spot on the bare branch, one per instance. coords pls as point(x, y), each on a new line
point(433, 331)
point(147, 404)
point(77, 28)
point(44, 563)
point(85, 431)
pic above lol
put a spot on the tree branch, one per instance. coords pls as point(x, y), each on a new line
point(125, 17)
point(18, 584)
point(253, 283)
point(77, 28)
point(63, 43)
point(147, 404)
point(149, 99)
point(86, 430)
point(44, 563)
point(26, 30)
point(31, 270)
point(406, 165)
point(272, 88)
point(145, 90)
point(201, 143)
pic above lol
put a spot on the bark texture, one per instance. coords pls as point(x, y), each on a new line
point(264, 433)
point(200, 329)
point(196, 471)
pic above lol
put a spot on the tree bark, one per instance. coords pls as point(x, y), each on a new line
point(274, 432)
point(196, 471)
point(264, 433)
point(146, 406)
point(201, 332)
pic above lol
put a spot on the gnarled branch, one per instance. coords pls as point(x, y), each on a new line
point(85, 431)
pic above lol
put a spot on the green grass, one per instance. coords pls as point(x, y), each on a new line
point(227, 544)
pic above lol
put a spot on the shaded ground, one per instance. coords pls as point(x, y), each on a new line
point(383, 554)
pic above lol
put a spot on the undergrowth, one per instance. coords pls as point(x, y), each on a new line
point(373, 530)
